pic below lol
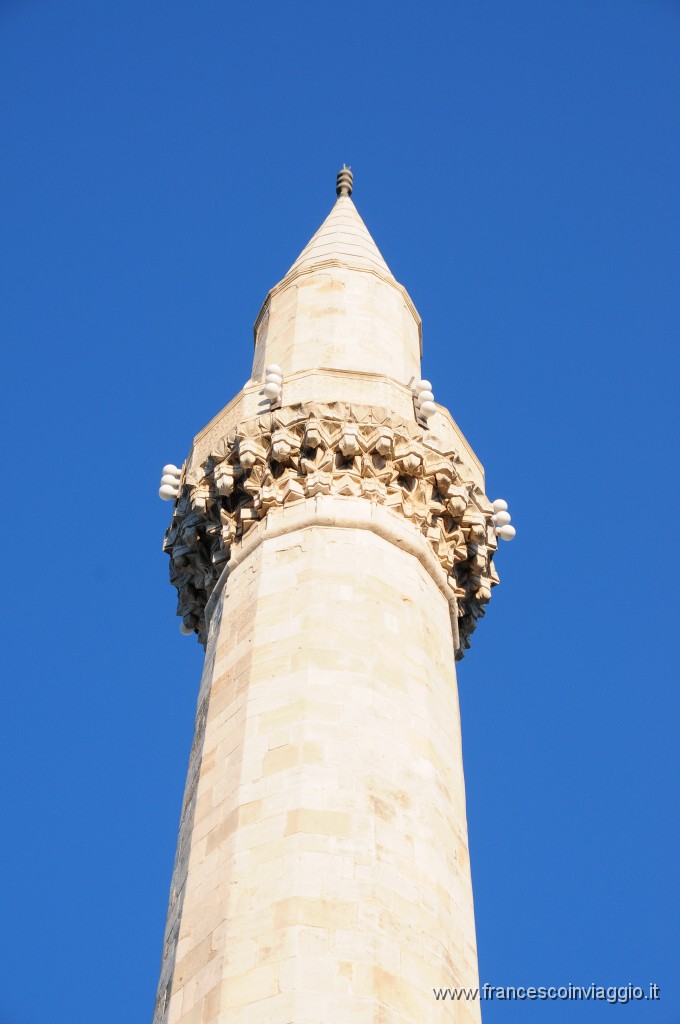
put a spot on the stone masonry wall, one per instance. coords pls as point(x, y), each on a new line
point(325, 843)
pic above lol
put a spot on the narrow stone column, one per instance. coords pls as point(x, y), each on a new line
point(332, 547)
point(324, 871)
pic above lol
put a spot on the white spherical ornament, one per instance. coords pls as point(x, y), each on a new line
point(502, 518)
point(425, 396)
point(272, 391)
point(168, 478)
point(507, 532)
point(166, 492)
point(428, 409)
point(422, 385)
point(500, 505)
point(273, 368)
point(274, 378)
point(172, 470)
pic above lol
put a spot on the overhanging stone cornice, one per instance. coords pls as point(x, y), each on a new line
point(283, 458)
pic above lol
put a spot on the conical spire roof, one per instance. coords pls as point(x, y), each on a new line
point(339, 307)
point(343, 239)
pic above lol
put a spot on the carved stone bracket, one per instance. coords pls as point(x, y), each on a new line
point(301, 451)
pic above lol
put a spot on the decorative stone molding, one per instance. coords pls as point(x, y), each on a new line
point(300, 451)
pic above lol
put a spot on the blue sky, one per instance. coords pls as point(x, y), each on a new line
point(518, 165)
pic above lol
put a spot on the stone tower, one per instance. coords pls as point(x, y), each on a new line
point(332, 548)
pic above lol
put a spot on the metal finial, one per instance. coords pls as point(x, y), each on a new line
point(343, 185)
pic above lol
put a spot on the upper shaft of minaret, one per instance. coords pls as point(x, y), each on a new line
point(340, 329)
point(339, 307)
point(335, 408)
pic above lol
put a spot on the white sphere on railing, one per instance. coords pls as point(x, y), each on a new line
point(502, 518)
point(499, 505)
point(272, 391)
point(172, 470)
point(168, 478)
point(422, 385)
point(273, 368)
point(424, 396)
point(167, 492)
point(428, 409)
point(506, 532)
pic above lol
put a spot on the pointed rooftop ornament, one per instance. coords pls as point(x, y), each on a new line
point(339, 306)
point(344, 181)
point(342, 239)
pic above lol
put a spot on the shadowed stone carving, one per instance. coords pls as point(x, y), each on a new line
point(301, 451)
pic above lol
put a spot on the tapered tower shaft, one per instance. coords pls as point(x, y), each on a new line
point(332, 547)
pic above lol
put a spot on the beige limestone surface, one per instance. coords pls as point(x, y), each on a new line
point(339, 306)
point(322, 873)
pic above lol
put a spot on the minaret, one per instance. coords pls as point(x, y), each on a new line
point(332, 548)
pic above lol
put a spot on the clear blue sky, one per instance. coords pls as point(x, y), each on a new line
point(519, 166)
